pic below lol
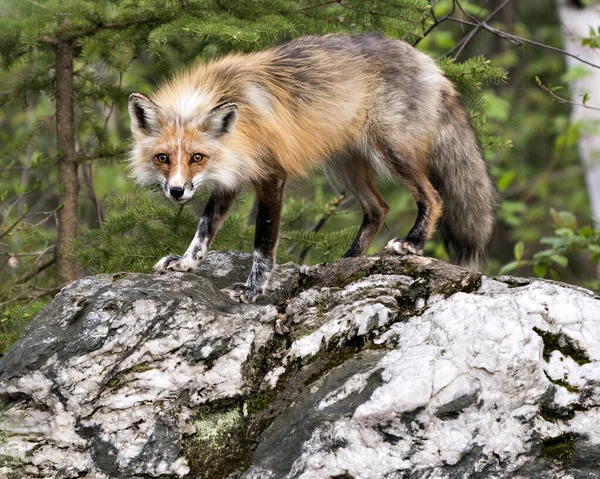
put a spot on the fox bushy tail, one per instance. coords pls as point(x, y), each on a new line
point(460, 175)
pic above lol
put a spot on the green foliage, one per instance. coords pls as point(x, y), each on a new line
point(138, 231)
point(566, 240)
point(471, 75)
point(326, 246)
point(12, 321)
point(593, 40)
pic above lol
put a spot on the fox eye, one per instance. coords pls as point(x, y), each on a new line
point(162, 158)
point(197, 158)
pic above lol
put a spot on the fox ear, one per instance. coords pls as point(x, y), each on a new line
point(221, 120)
point(143, 113)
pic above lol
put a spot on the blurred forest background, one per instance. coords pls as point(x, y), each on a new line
point(67, 208)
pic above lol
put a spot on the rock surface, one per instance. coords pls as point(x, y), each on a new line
point(372, 367)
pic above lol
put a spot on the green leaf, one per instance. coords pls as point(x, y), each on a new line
point(565, 232)
point(511, 266)
point(585, 99)
point(564, 219)
point(540, 270)
point(506, 179)
point(519, 248)
point(559, 259)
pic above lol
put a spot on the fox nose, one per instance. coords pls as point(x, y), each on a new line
point(176, 192)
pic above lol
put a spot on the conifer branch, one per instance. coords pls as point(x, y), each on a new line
point(48, 40)
point(25, 295)
point(97, 155)
point(331, 208)
point(436, 22)
point(34, 253)
point(98, 26)
point(322, 4)
point(87, 168)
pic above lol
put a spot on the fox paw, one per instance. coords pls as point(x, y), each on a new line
point(402, 246)
point(175, 263)
point(244, 294)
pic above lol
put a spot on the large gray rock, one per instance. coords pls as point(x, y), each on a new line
point(373, 367)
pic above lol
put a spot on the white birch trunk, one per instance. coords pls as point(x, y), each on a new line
point(576, 24)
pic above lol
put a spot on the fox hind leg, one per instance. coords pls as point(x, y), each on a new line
point(360, 179)
point(429, 205)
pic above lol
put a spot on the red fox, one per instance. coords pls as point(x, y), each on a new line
point(362, 106)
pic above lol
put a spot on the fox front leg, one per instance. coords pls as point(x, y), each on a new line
point(214, 214)
point(270, 202)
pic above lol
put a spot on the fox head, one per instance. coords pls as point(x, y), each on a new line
point(180, 153)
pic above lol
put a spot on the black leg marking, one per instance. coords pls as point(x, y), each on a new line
point(369, 228)
point(214, 214)
point(418, 233)
point(415, 240)
point(270, 203)
point(413, 172)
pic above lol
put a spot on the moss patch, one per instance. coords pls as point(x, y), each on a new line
point(468, 284)
point(120, 378)
point(16, 467)
point(564, 344)
point(260, 402)
point(343, 281)
point(560, 449)
point(562, 383)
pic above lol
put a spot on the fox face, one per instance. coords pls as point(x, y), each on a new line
point(180, 154)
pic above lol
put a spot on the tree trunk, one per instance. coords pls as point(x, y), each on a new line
point(68, 182)
point(576, 21)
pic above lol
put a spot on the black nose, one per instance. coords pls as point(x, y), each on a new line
point(176, 192)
